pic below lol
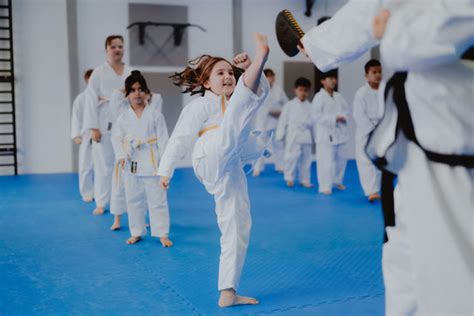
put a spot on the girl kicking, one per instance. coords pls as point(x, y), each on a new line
point(222, 120)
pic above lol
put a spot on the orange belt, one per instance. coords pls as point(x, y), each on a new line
point(213, 126)
point(207, 129)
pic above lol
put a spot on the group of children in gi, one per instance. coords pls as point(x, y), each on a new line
point(325, 122)
point(119, 123)
point(430, 147)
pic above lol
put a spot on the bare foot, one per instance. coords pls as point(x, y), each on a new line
point(165, 242)
point(116, 224)
point(374, 196)
point(230, 298)
point(256, 173)
point(133, 240)
point(290, 184)
point(88, 199)
point(341, 187)
point(307, 185)
point(327, 192)
point(98, 211)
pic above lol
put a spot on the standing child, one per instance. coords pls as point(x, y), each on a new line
point(141, 136)
point(267, 120)
point(222, 119)
point(367, 114)
point(295, 128)
point(331, 113)
point(119, 104)
point(81, 137)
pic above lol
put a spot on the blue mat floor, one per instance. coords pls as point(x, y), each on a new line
point(309, 254)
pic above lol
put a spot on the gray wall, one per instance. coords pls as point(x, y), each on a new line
point(158, 48)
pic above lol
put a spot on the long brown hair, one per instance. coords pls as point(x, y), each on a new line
point(198, 71)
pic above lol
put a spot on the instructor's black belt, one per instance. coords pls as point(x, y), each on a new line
point(405, 125)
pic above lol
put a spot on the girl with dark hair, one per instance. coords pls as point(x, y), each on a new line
point(139, 138)
point(221, 120)
point(100, 119)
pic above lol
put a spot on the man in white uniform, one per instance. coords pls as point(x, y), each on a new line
point(425, 137)
point(100, 119)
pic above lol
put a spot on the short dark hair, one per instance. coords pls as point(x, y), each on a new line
point(110, 38)
point(331, 73)
point(136, 76)
point(302, 82)
point(371, 63)
point(88, 74)
point(268, 72)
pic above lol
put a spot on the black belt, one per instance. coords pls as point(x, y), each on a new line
point(405, 124)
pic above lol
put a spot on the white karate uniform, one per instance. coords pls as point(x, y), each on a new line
point(427, 261)
point(102, 83)
point(119, 104)
point(274, 102)
point(367, 114)
point(157, 101)
point(218, 157)
point(331, 137)
point(295, 129)
point(86, 168)
point(141, 142)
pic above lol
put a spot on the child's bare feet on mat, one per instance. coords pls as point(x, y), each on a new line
point(88, 199)
point(165, 242)
point(116, 224)
point(98, 211)
point(133, 240)
point(374, 197)
point(307, 184)
point(230, 298)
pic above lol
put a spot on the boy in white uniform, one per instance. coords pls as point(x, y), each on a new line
point(425, 137)
point(222, 119)
point(141, 136)
point(367, 114)
point(330, 115)
point(267, 118)
point(295, 129)
point(81, 137)
point(100, 119)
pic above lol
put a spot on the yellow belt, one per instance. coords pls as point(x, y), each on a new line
point(150, 141)
point(152, 154)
